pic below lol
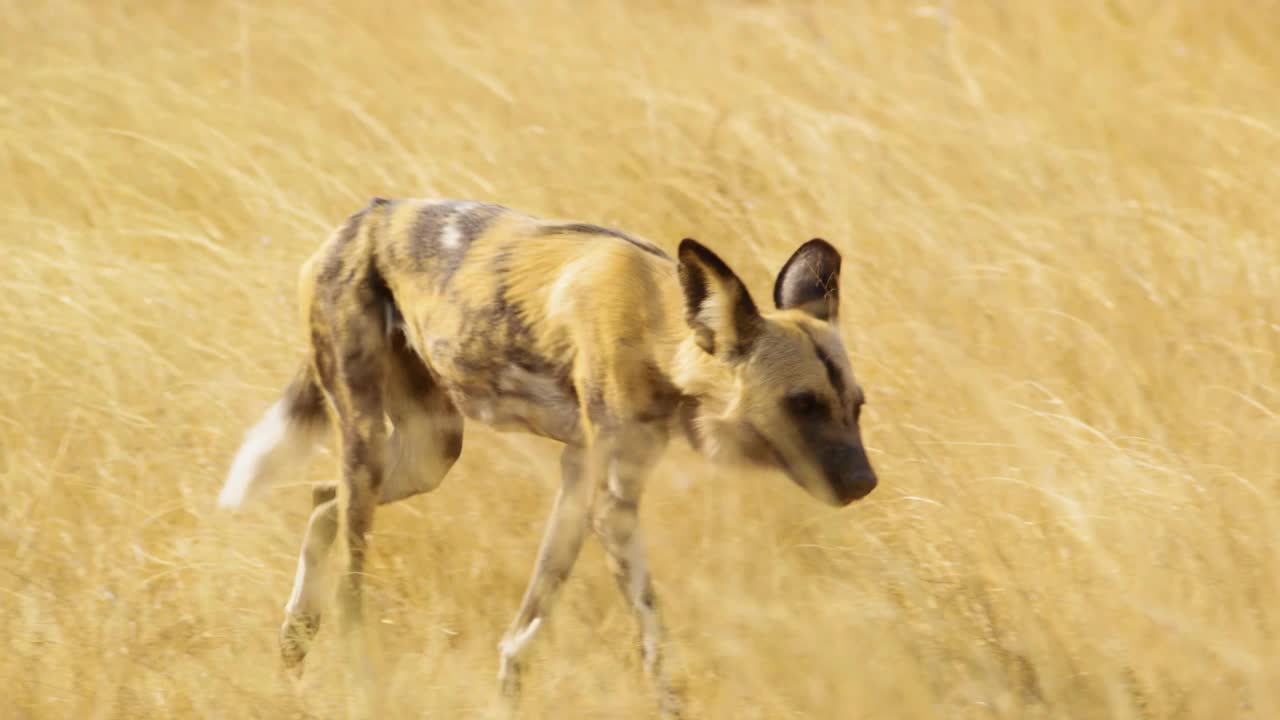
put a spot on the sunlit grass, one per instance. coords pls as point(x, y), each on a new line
point(1062, 295)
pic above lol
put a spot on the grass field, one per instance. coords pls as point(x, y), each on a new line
point(1062, 295)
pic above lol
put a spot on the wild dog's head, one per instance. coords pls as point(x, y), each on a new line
point(774, 388)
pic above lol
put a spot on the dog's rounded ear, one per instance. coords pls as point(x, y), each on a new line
point(717, 306)
point(810, 281)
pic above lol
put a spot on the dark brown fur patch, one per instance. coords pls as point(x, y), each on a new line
point(499, 326)
point(663, 399)
point(834, 376)
point(470, 224)
point(589, 229)
point(833, 372)
point(476, 219)
point(424, 244)
point(333, 265)
point(303, 399)
point(361, 373)
point(495, 346)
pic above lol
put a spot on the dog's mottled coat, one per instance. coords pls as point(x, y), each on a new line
point(426, 312)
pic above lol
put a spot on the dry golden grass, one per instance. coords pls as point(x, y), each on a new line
point(1061, 235)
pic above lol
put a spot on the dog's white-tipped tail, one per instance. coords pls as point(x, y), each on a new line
point(278, 445)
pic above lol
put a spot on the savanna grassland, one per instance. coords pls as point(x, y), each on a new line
point(1061, 231)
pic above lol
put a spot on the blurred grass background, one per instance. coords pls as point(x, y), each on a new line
point(1060, 228)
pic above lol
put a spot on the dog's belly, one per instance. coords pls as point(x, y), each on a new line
point(508, 393)
point(532, 406)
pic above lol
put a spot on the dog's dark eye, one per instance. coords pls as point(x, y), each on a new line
point(805, 404)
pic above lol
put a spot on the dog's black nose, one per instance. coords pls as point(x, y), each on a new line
point(849, 473)
point(858, 487)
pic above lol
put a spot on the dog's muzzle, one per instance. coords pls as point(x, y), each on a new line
point(848, 473)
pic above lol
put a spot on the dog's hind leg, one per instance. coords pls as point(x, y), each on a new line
point(425, 442)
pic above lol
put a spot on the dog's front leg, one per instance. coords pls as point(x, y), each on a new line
point(617, 522)
point(561, 543)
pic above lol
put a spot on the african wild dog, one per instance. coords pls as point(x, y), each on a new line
point(427, 311)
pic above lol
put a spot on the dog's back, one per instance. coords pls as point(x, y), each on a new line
point(502, 306)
